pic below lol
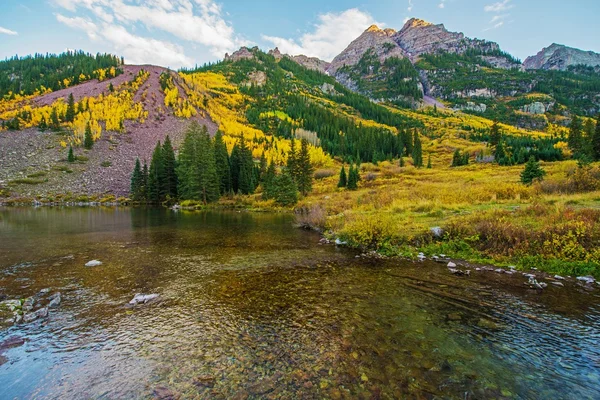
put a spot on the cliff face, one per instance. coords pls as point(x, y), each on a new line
point(559, 57)
point(420, 37)
point(380, 40)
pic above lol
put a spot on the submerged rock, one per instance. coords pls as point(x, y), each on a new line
point(534, 284)
point(586, 279)
point(93, 263)
point(55, 300)
point(143, 298)
point(41, 313)
point(452, 265)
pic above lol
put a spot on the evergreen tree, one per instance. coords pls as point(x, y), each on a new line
point(222, 163)
point(495, 135)
point(343, 182)
point(209, 178)
point(235, 162)
point(111, 88)
point(532, 172)
point(268, 182)
point(401, 162)
point(154, 176)
point(417, 153)
point(575, 139)
point(88, 140)
point(262, 169)
point(596, 140)
point(305, 170)
point(292, 161)
point(429, 162)
point(456, 158)
point(285, 191)
point(353, 178)
point(144, 188)
point(169, 176)
point(54, 122)
point(137, 182)
point(246, 184)
point(43, 124)
point(501, 156)
point(70, 114)
point(71, 156)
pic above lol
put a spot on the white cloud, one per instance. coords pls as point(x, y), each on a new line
point(135, 49)
point(7, 31)
point(410, 6)
point(196, 21)
point(496, 22)
point(499, 6)
point(442, 5)
point(330, 36)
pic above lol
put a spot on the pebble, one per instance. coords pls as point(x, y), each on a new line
point(451, 265)
point(143, 298)
point(93, 263)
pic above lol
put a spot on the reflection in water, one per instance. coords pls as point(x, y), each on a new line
point(253, 308)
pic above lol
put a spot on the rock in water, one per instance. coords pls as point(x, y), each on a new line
point(143, 298)
point(586, 279)
point(93, 263)
point(451, 265)
point(41, 313)
point(55, 300)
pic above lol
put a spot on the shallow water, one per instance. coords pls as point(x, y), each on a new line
point(252, 308)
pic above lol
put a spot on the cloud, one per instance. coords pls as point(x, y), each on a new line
point(496, 22)
point(410, 6)
point(196, 21)
point(499, 6)
point(332, 34)
point(7, 31)
point(135, 49)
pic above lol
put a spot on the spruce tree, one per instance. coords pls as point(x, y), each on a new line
point(169, 176)
point(209, 178)
point(417, 153)
point(456, 158)
point(262, 169)
point(532, 172)
point(154, 176)
point(292, 160)
point(43, 124)
point(88, 140)
point(305, 170)
point(235, 163)
point(246, 184)
point(137, 181)
point(222, 163)
point(268, 182)
point(495, 135)
point(401, 162)
point(596, 140)
point(353, 178)
point(575, 139)
point(501, 156)
point(70, 114)
point(144, 188)
point(285, 190)
point(343, 182)
point(429, 162)
point(71, 156)
point(54, 122)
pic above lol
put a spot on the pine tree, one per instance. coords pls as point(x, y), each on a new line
point(88, 140)
point(54, 122)
point(154, 176)
point(70, 114)
point(501, 156)
point(285, 189)
point(343, 182)
point(353, 178)
point(222, 163)
point(495, 134)
point(268, 182)
point(43, 124)
point(235, 162)
point(596, 140)
point(246, 184)
point(169, 176)
point(111, 88)
point(429, 162)
point(575, 139)
point(137, 181)
point(144, 188)
point(401, 162)
point(71, 156)
point(417, 153)
point(456, 158)
point(532, 172)
point(292, 160)
point(262, 169)
point(305, 170)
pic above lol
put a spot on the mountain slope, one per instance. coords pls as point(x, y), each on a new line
point(560, 57)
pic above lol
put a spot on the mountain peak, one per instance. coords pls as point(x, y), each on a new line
point(416, 23)
point(373, 28)
point(561, 57)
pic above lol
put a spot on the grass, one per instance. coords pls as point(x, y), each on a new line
point(28, 181)
point(106, 164)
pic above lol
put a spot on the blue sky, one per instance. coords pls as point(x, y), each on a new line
point(178, 33)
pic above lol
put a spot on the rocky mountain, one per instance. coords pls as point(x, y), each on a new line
point(560, 57)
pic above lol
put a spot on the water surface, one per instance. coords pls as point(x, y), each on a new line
point(252, 308)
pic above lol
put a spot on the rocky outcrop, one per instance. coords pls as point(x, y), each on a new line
point(559, 57)
point(420, 37)
point(244, 53)
point(470, 106)
point(313, 63)
point(379, 40)
point(537, 108)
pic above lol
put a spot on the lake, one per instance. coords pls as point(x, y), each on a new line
point(250, 307)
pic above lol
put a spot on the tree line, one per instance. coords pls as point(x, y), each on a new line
point(204, 171)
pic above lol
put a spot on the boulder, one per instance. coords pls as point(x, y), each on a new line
point(437, 232)
point(41, 313)
point(451, 265)
point(55, 300)
point(586, 279)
